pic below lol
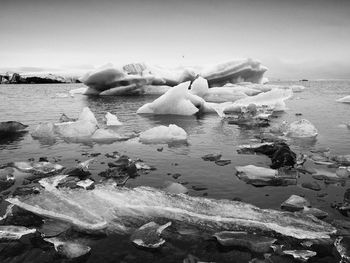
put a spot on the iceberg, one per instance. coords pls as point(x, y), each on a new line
point(233, 72)
point(44, 130)
point(14, 232)
point(176, 101)
point(273, 99)
point(172, 77)
point(68, 249)
point(163, 134)
point(104, 135)
point(112, 81)
point(8, 128)
point(84, 127)
point(112, 120)
point(301, 129)
point(119, 209)
point(346, 99)
point(200, 88)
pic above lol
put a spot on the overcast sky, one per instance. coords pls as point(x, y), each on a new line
point(294, 39)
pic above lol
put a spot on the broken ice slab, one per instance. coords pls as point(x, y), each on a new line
point(119, 208)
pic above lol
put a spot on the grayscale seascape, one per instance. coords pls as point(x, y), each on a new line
point(119, 145)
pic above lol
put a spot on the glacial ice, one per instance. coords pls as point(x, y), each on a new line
point(14, 232)
point(69, 249)
point(112, 120)
point(163, 134)
point(78, 91)
point(105, 135)
point(200, 88)
point(117, 208)
point(345, 99)
point(273, 99)
point(148, 235)
point(233, 72)
point(84, 127)
point(176, 101)
point(301, 129)
point(44, 130)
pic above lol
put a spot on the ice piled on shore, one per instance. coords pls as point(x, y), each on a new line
point(163, 134)
point(117, 208)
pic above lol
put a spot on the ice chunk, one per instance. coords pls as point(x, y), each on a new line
point(102, 135)
point(175, 188)
point(69, 249)
point(119, 207)
point(78, 91)
point(85, 126)
point(297, 88)
point(44, 130)
point(14, 232)
point(295, 203)
point(163, 134)
point(261, 176)
point(112, 120)
point(273, 99)
point(101, 80)
point(176, 101)
point(346, 99)
point(148, 235)
point(200, 88)
point(301, 129)
point(255, 243)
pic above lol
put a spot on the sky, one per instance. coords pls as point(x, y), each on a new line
point(293, 38)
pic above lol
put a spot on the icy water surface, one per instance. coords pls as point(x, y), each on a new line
point(32, 104)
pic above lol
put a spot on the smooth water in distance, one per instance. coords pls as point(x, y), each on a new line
point(32, 104)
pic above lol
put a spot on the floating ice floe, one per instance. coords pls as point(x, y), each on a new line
point(14, 232)
point(301, 129)
point(69, 249)
point(175, 188)
point(78, 91)
point(85, 126)
point(38, 167)
point(200, 88)
point(43, 130)
point(273, 99)
point(148, 235)
point(302, 255)
point(295, 203)
point(106, 135)
point(164, 134)
point(255, 243)
point(345, 99)
point(261, 176)
point(112, 120)
point(116, 208)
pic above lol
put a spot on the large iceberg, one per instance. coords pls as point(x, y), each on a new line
point(118, 209)
point(131, 78)
point(233, 72)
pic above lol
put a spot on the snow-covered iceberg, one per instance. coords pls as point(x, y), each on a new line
point(118, 209)
point(163, 134)
point(112, 120)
